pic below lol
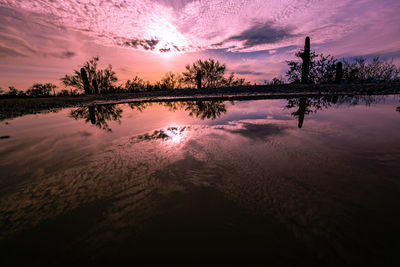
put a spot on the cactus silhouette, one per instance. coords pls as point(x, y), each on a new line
point(305, 70)
point(95, 86)
point(339, 72)
point(198, 80)
point(85, 81)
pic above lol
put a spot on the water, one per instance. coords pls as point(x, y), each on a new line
point(311, 182)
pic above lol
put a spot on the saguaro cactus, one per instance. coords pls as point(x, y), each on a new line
point(95, 86)
point(305, 71)
point(198, 80)
point(339, 72)
point(86, 85)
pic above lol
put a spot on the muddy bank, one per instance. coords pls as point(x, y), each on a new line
point(14, 107)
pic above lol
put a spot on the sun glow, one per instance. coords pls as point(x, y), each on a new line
point(175, 134)
point(170, 39)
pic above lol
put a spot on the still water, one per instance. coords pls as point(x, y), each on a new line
point(292, 182)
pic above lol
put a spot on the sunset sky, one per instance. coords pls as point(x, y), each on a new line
point(41, 41)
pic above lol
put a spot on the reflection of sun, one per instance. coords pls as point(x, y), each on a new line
point(175, 134)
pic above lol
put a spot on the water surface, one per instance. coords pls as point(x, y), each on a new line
point(310, 181)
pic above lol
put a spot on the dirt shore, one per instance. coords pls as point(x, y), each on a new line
point(14, 107)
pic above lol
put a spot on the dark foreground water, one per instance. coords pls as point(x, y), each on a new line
point(299, 182)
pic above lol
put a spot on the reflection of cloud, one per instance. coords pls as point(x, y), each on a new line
point(256, 131)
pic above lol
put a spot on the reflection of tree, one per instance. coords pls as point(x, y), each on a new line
point(98, 115)
point(200, 109)
point(307, 105)
point(303, 105)
point(206, 109)
point(140, 105)
point(398, 109)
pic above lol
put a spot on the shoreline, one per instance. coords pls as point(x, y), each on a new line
point(16, 107)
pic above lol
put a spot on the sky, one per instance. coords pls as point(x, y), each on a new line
point(41, 41)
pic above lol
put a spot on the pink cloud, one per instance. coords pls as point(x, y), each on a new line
point(197, 25)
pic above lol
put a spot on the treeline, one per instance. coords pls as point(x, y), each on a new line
point(357, 70)
point(212, 74)
point(311, 68)
point(316, 68)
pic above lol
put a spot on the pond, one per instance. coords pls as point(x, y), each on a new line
point(300, 181)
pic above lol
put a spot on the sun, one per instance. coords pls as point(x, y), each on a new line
point(171, 41)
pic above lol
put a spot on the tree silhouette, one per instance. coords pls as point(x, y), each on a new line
point(105, 78)
point(39, 89)
point(212, 73)
point(171, 81)
point(12, 91)
point(136, 84)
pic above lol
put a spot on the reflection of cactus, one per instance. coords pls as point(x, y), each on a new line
point(92, 114)
point(339, 72)
point(85, 81)
point(198, 80)
point(98, 115)
point(301, 111)
point(95, 86)
point(306, 61)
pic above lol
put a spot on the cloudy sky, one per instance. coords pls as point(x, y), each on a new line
point(40, 41)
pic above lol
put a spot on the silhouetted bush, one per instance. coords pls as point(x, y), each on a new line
point(63, 92)
point(136, 84)
point(359, 70)
point(105, 77)
point(39, 89)
point(322, 69)
point(276, 81)
point(14, 92)
point(233, 81)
